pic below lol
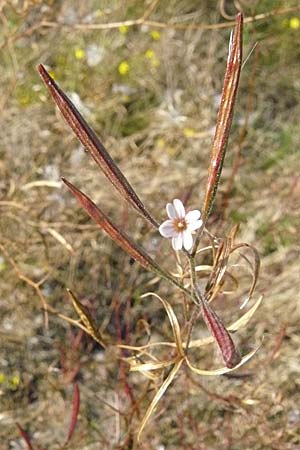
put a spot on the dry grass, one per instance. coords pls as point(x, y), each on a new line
point(157, 121)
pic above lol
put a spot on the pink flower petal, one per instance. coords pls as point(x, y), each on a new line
point(191, 216)
point(179, 208)
point(167, 229)
point(177, 242)
point(171, 211)
point(187, 240)
point(194, 225)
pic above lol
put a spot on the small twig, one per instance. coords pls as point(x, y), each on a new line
point(33, 284)
point(150, 10)
point(170, 24)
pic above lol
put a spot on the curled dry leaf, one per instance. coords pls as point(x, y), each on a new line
point(224, 251)
point(223, 370)
point(173, 321)
point(235, 326)
point(255, 268)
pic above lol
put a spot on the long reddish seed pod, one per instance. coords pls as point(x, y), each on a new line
point(112, 230)
point(224, 119)
point(91, 142)
point(121, 238)
point(75, 412)
point(25, 437)
point(230, 354)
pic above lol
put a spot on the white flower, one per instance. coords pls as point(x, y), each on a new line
point(180, 225)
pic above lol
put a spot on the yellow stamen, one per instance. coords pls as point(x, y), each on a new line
point(180, 225)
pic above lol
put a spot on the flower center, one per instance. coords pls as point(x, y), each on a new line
point(180, 225)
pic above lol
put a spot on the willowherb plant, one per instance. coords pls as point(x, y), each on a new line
point(180, 227)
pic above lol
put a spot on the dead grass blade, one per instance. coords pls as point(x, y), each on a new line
point(146, 367)
point(159, 395)
point(41, 183)
point(225, 114)
point(91, 142)
point(61, 240)
point(141, 348)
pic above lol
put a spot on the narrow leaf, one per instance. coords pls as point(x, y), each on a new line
point(225, 114)
point(75, 411)
point(91, 142)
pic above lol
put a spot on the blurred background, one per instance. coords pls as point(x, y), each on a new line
point(147, 75)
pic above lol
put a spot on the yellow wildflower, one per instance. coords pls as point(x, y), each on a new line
point(294, 23)
point(123, 68)
point(79, 53)
point(150, 54)
point(155, 34)
point(15, 381)
point(123, 29)
point(155, 62)
point(189, 132)
point(160, 143)
point(24, 99)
